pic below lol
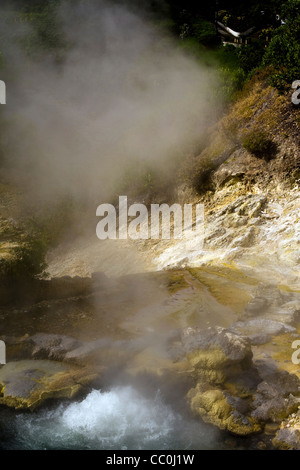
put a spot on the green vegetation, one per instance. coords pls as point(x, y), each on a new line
point(273, 44)
point(283, 52)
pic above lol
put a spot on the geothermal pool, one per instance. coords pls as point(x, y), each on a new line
point(118, 419)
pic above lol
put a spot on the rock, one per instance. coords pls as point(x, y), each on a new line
point(287, 439)
point(246, 240)
point(217, 240)
point(271, 293)
point(249, 205)
point(278, 382)
point(229, 174)
point(233, 178)
point(87, 351)
point(230, 391)
point(51, 346)
point(229, 226)
point(256, 306)
point(215, 234)
point(27, 384)
point(224, 411)
point(259, 339)
point(215, 347)
point(288, 436)
point(288, 312)
point(274, 409)
point(216, 353)
point(222, 364)
point(258, 326)
point(270, 429)
point(276, 397)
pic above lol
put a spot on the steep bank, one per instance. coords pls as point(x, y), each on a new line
point(247, 176)
point(251, 197)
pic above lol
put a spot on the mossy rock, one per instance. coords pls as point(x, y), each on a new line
point(27, 384)
point(220, 409)
point(216, 352)
point(210, 359)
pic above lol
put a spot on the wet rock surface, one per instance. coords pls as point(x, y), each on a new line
point(27, 384)
point(269, 313)
point(222, 380)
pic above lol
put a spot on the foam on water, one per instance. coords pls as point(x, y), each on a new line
point(122, 413)
point(118, 419)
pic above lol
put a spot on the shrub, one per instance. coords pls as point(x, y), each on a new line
point(250, 56)
point(232, 81)
point(258, 143)
point(204, 32)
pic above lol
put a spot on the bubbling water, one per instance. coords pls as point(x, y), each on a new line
point(119, 416)
point(120, 419)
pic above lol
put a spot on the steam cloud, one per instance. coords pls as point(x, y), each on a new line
point(123, 91)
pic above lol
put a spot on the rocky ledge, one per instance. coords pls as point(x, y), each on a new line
point(27, 384)
point(232, 391)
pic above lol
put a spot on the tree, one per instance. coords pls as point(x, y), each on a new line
point(283, 51)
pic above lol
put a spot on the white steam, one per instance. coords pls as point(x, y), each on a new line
point(123, 91)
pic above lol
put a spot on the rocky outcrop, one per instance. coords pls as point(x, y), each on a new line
point(224, 410)
point(288, 436)
point(216, 353)
point(276, 397)
point(225, 378)
point(261, 330)
point(27, 384)
point(231, 391)
point(287, 439)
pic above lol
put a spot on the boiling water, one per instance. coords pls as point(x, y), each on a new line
point(117, 419)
